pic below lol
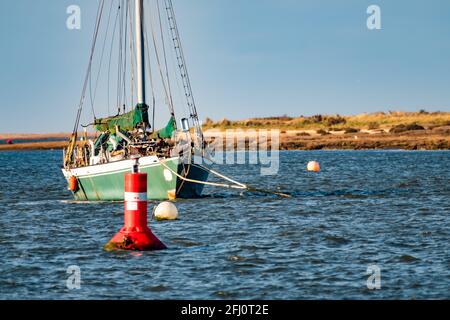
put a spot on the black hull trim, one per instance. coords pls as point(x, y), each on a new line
point(187, 190)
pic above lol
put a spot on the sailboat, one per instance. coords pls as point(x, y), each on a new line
point(172, 157)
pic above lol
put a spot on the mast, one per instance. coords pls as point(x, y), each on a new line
point(140, 62)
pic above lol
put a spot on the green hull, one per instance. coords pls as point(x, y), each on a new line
point(161, 184)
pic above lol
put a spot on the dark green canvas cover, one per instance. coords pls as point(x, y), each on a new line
point(126, 122)
point(167, 131)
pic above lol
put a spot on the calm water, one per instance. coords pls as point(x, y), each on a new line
point(388, 208)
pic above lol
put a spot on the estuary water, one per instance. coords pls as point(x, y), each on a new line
point(382, 216)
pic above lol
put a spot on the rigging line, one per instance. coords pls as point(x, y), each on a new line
point(179, 92)
point(124, 79)
point(132, 56)
point(99, 15)
point(101, 57)
point(113, 37)
point(86, 80)
point(172, 112)
point(164, 53)
point(119, 59)
point(183, 70)
point(150, 74)
point(181, 59)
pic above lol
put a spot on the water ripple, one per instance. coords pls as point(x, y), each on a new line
point(355, 213)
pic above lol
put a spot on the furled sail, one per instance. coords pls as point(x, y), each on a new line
point(167, 131)
point(127, 121)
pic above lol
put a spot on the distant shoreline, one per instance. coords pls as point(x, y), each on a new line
point(394, 130)
point(296, 140)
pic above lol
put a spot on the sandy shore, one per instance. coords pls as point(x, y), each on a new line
point(369, 139)
point(412, 140)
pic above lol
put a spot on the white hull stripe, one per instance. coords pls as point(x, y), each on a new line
point(135, 196)
point(115, 167)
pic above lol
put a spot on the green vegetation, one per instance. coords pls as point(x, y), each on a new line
point(351, 130)
point(365, 121)
point(403, 128)
point(322, 132)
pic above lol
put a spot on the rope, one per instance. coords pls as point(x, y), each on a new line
point(183, 70)
point(132, 57)
point(124, 77)
point(186, 171)
point(164, 53)
point(73, 138)
point(198, 181)
point(119, 58)
point(236, 185)
point(91, 56)
point(249, 188)
point(150, 75)
point(179, 92)
point(92, 98)
point(113, 37)
point(171, 109)
point(222, 176)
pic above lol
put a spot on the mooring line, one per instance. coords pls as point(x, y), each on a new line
point(201, 182)
point(237, 185)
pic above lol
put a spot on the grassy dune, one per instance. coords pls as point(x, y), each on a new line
point(366, 121)
point(394, 130)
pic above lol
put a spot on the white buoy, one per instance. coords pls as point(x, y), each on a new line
point(166, 211)
point(313, 166)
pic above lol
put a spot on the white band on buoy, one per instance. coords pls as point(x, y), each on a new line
point(131, 206)
point(135, 196)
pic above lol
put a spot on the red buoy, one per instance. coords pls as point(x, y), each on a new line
point(135, 234)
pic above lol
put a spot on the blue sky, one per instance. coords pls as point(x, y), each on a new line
point(246, 58)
